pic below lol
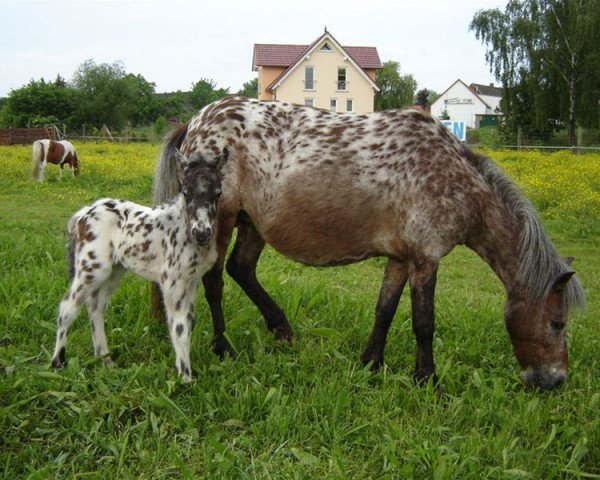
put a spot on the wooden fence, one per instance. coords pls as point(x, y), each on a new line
point(24, 136)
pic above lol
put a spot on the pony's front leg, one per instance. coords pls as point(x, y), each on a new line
point(422, 292)
point(394, 279)
point(179, 305)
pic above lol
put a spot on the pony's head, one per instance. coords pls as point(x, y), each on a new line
point(538, 332)
point(201, 187)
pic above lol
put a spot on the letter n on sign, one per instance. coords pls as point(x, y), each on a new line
point(458, 129)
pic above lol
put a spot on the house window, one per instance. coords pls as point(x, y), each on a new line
point(309, 102)
point(341, 78)
point(309, 78)
point(333, 105)
point(349, 105)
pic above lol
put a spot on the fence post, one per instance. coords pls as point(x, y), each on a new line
point(579, 139)
point(83, 132)
point(152, 134)
point(519, 138)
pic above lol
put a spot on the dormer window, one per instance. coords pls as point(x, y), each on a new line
point(326, 47)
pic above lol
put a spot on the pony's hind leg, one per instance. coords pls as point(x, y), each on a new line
point(68, 310)
point(394, 279)
point(423, 276)
point(241, 266)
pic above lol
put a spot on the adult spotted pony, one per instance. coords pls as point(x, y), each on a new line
point(59, 153)
point(330, 189)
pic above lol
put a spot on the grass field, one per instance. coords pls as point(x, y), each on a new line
point(308, 411)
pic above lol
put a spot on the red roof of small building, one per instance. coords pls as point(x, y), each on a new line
point(272, 55)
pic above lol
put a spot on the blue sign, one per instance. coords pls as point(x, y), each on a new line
point(458, 129)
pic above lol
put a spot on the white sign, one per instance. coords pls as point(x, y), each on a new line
point(458, 129)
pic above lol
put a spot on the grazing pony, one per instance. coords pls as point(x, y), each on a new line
point(59, 153)
point(330, 189)
point(172, 244)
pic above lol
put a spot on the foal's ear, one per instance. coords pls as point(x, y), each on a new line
point(181, 158)
point(569, 260)
point(222, 159)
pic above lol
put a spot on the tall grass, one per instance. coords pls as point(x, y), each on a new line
point(307, 411)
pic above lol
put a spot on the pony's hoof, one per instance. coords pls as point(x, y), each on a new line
point(422, 379)
point(223, 349)
point(376, 362)
point(284, 333)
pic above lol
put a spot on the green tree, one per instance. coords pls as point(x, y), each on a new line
point(395, 90)
point(143, 106)
point(102, 93)
point(204, 92)
point(37, 103)
point(546, 53)
point(250, 89)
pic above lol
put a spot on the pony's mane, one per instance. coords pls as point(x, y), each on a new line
point(541, 264)
point(166, 180)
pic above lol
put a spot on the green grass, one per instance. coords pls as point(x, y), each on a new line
point(307, 411)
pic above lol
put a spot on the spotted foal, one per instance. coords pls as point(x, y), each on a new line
point(172, 244)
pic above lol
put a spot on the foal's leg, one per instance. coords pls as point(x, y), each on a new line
point(68, 310)
point(179, 305)
point(422, 293)
point(394, 279)
point(96, 305)
point(241, 266)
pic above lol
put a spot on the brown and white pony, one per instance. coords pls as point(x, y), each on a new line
point(330, 189)
point(59, 153)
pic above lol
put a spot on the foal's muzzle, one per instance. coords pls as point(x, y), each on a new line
point(202, 235)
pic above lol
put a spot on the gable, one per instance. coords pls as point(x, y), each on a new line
point(460, 94)
point(324, 45)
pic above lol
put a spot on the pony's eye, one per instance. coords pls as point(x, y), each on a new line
point(557, 324)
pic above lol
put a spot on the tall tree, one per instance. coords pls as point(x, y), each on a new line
point(103, 94)
point(395, 90)
point(546, 52)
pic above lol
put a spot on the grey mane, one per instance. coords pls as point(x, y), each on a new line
point(166, 180)
point(540, 263)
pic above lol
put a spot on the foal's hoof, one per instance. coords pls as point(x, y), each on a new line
point(59, 361)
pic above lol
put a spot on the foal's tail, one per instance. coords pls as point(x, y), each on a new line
point(71, 243)
point(166, 186)
point(37, 154)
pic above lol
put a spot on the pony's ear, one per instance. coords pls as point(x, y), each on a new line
point(561, 281)
point(569, 260)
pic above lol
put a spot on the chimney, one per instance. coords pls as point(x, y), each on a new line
point(492, 85)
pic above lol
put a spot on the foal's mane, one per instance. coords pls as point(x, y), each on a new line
point(540, 263)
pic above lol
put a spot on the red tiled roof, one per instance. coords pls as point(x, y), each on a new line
point(272, 55)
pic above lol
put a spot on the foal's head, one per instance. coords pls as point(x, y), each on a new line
point(539, 335)
point(201, 187)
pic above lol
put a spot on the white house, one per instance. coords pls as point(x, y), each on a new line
point(475, 104)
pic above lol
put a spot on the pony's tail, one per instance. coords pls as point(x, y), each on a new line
point(166, 186)
point(37, 153)
point(75, 163)
point(71, 244)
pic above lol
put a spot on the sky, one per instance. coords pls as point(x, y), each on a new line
point(175, 43)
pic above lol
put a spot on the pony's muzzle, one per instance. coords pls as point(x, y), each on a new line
point(202, 234)
point(545, 378)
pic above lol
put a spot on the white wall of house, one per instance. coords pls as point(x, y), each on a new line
point(461, 103)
